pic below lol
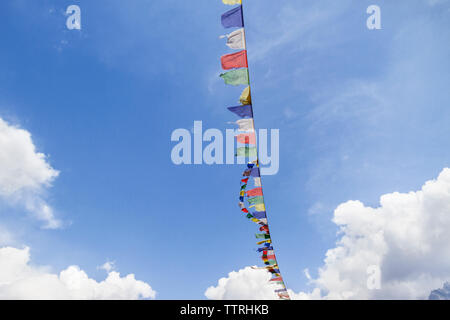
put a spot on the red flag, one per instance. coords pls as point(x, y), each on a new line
point(264, 228)
point(244, 180)
point(277, 279)
point(246, 138)
point(255, 192)
point(234, 60)
point(267, 258)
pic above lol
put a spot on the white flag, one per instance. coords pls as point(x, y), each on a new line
point(246, 125)
point(236, 39)
point(257, 182)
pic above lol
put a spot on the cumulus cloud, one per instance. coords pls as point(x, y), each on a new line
point(406, 237)
point(25, 173)
point(20, 280)
point(441, 294)
point(245, 284)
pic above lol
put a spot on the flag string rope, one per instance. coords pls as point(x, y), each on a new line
point(238, 62)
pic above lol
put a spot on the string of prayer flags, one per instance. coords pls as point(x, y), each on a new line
point(236, 64)
point(234, 60)
point(242, 111)
point(236, 39)
point(246, 97)
point(232, 2)
point(236, 77)
point(233, 18)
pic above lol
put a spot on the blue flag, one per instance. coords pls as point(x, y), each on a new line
point(265, 248)
point(242, 111)
point(259, 214)
point(233, 18)
point(255, 172)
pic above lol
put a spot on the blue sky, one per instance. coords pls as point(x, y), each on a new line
point(361, 113)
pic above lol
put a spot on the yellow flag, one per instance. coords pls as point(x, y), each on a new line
point(246, 97)
point(259, 207)
point(231, 2)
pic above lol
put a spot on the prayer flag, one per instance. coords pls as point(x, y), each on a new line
point(262, 236)
point(257, 182)
point(236, 39)
point(242, 111)
point(246, 152)
point(246, 138)
point(259, 207)
point(231, 2)
point(255, 172)
point(234, 60)
point(236, 77)
point(259, 215)
point(277, 279)
point(246, 97)
point(233, 18)
point(255, 192)
point(246, 125)
point(256, 200)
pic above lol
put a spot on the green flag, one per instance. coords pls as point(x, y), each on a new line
point(236, 77)
point(246, 152)
point(262, 236)
point(255, 200)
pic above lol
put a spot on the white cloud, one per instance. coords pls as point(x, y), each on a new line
point(407, 237)
point(25, 173)
point(246, 284)
point(108, 266)
point(20, 280)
